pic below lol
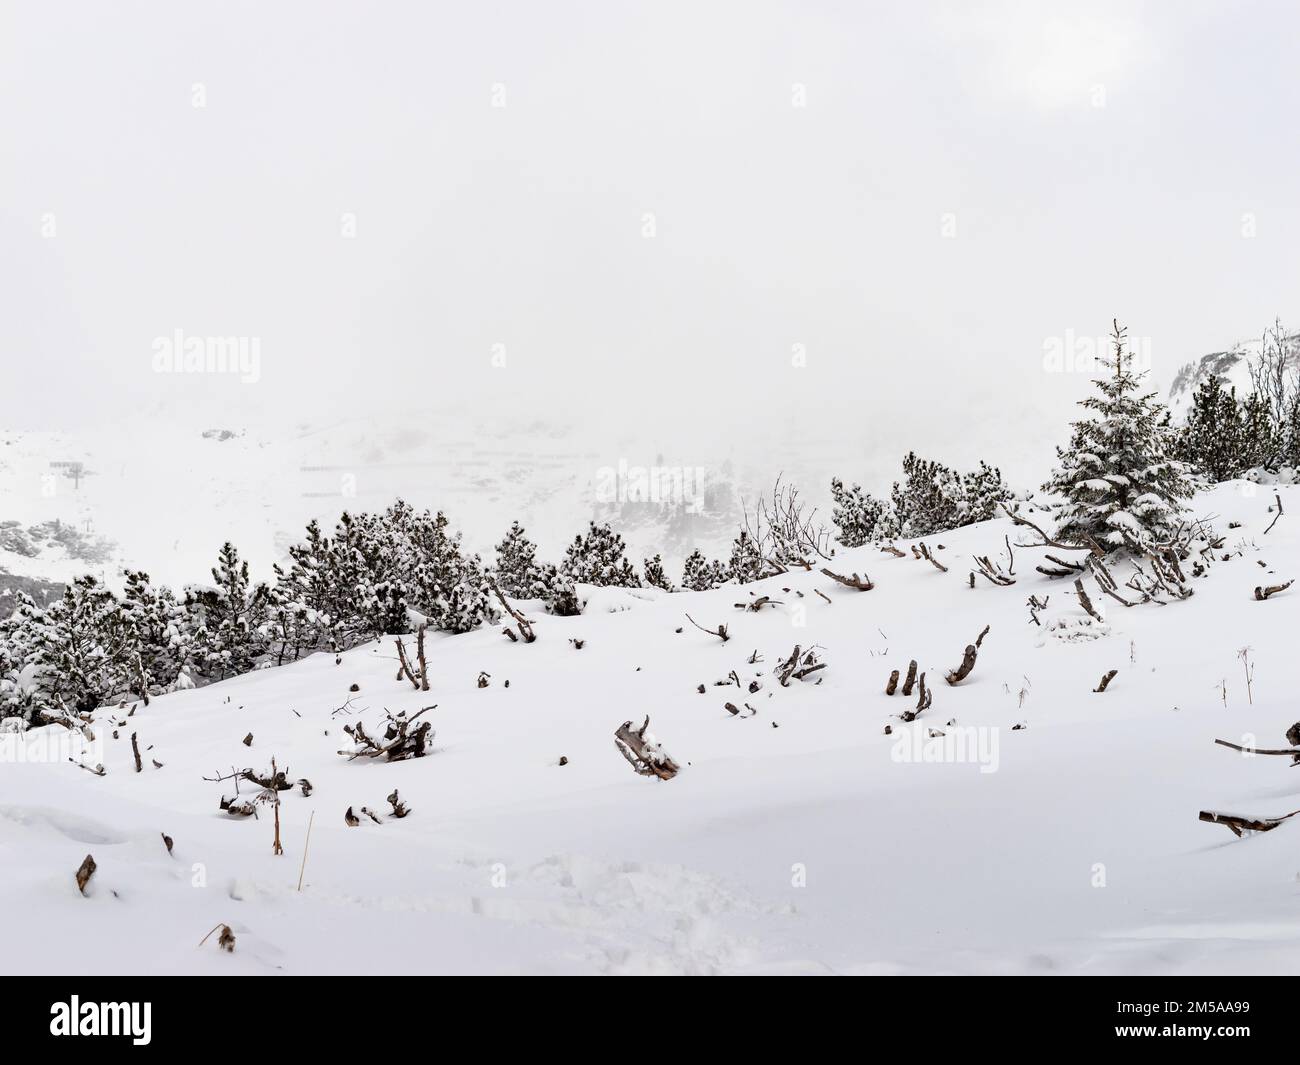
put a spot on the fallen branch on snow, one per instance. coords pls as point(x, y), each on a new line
point(1238, 823)
point(646, 756)
point(1262, 592)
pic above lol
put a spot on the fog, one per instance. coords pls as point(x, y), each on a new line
point(726, 222)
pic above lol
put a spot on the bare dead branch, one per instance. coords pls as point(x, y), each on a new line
point(1278, 497)
point(1084, 601)
point(720, 631)
point(1237, 824)
point(926, 554)
point(862, 584)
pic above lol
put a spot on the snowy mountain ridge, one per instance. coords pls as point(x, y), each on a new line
point(1232, 365)
point(1024, 822)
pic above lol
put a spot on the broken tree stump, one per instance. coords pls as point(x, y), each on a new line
point(1106, 681)
point(910, 682)
point(84, 872)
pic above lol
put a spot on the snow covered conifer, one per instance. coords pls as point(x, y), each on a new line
point(1121, 483)
point(1214, 438)
point(305, 605)
point(160, 629)
point(228, 617)
point(926, 500)
point(1291, 434)
point(699, 574)
point(84, 649)
point(517, 571)
point(858, 515)
point(18, 634)
point(934, 497)
point(599, 558)
point(1261, 445)
point(655, 576)
point(746, 563)
point(981, 492)
point(464, 601)
point(557, 590)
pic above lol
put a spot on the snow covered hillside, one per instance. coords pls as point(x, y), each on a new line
point(1232, 365)
point(1052, 829)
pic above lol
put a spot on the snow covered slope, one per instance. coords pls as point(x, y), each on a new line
point(801, 839)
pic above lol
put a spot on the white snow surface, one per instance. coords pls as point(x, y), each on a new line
point(793, 841)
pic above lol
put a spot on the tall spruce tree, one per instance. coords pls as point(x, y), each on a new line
point(1122, 485)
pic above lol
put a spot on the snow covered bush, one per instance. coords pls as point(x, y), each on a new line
point(379, 568)
point(158, 620)
point(1214, 438)
point(517, 571)
point(655, 577)
point(227, 618)
point(746, 563)
point(306, 602)
point(17, 665)
point(1121, 483)
point(559, 593)
point(84, 649)
point(859, 516)
point(699, 574)
point(933, 497)
point(600, 558)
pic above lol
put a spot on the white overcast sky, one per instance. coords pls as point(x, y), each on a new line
point(1097, 160)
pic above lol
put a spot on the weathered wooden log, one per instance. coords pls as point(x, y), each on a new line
point(1238, 823)
point(1262, 592)
point(646, 756)
point(1105, 680)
